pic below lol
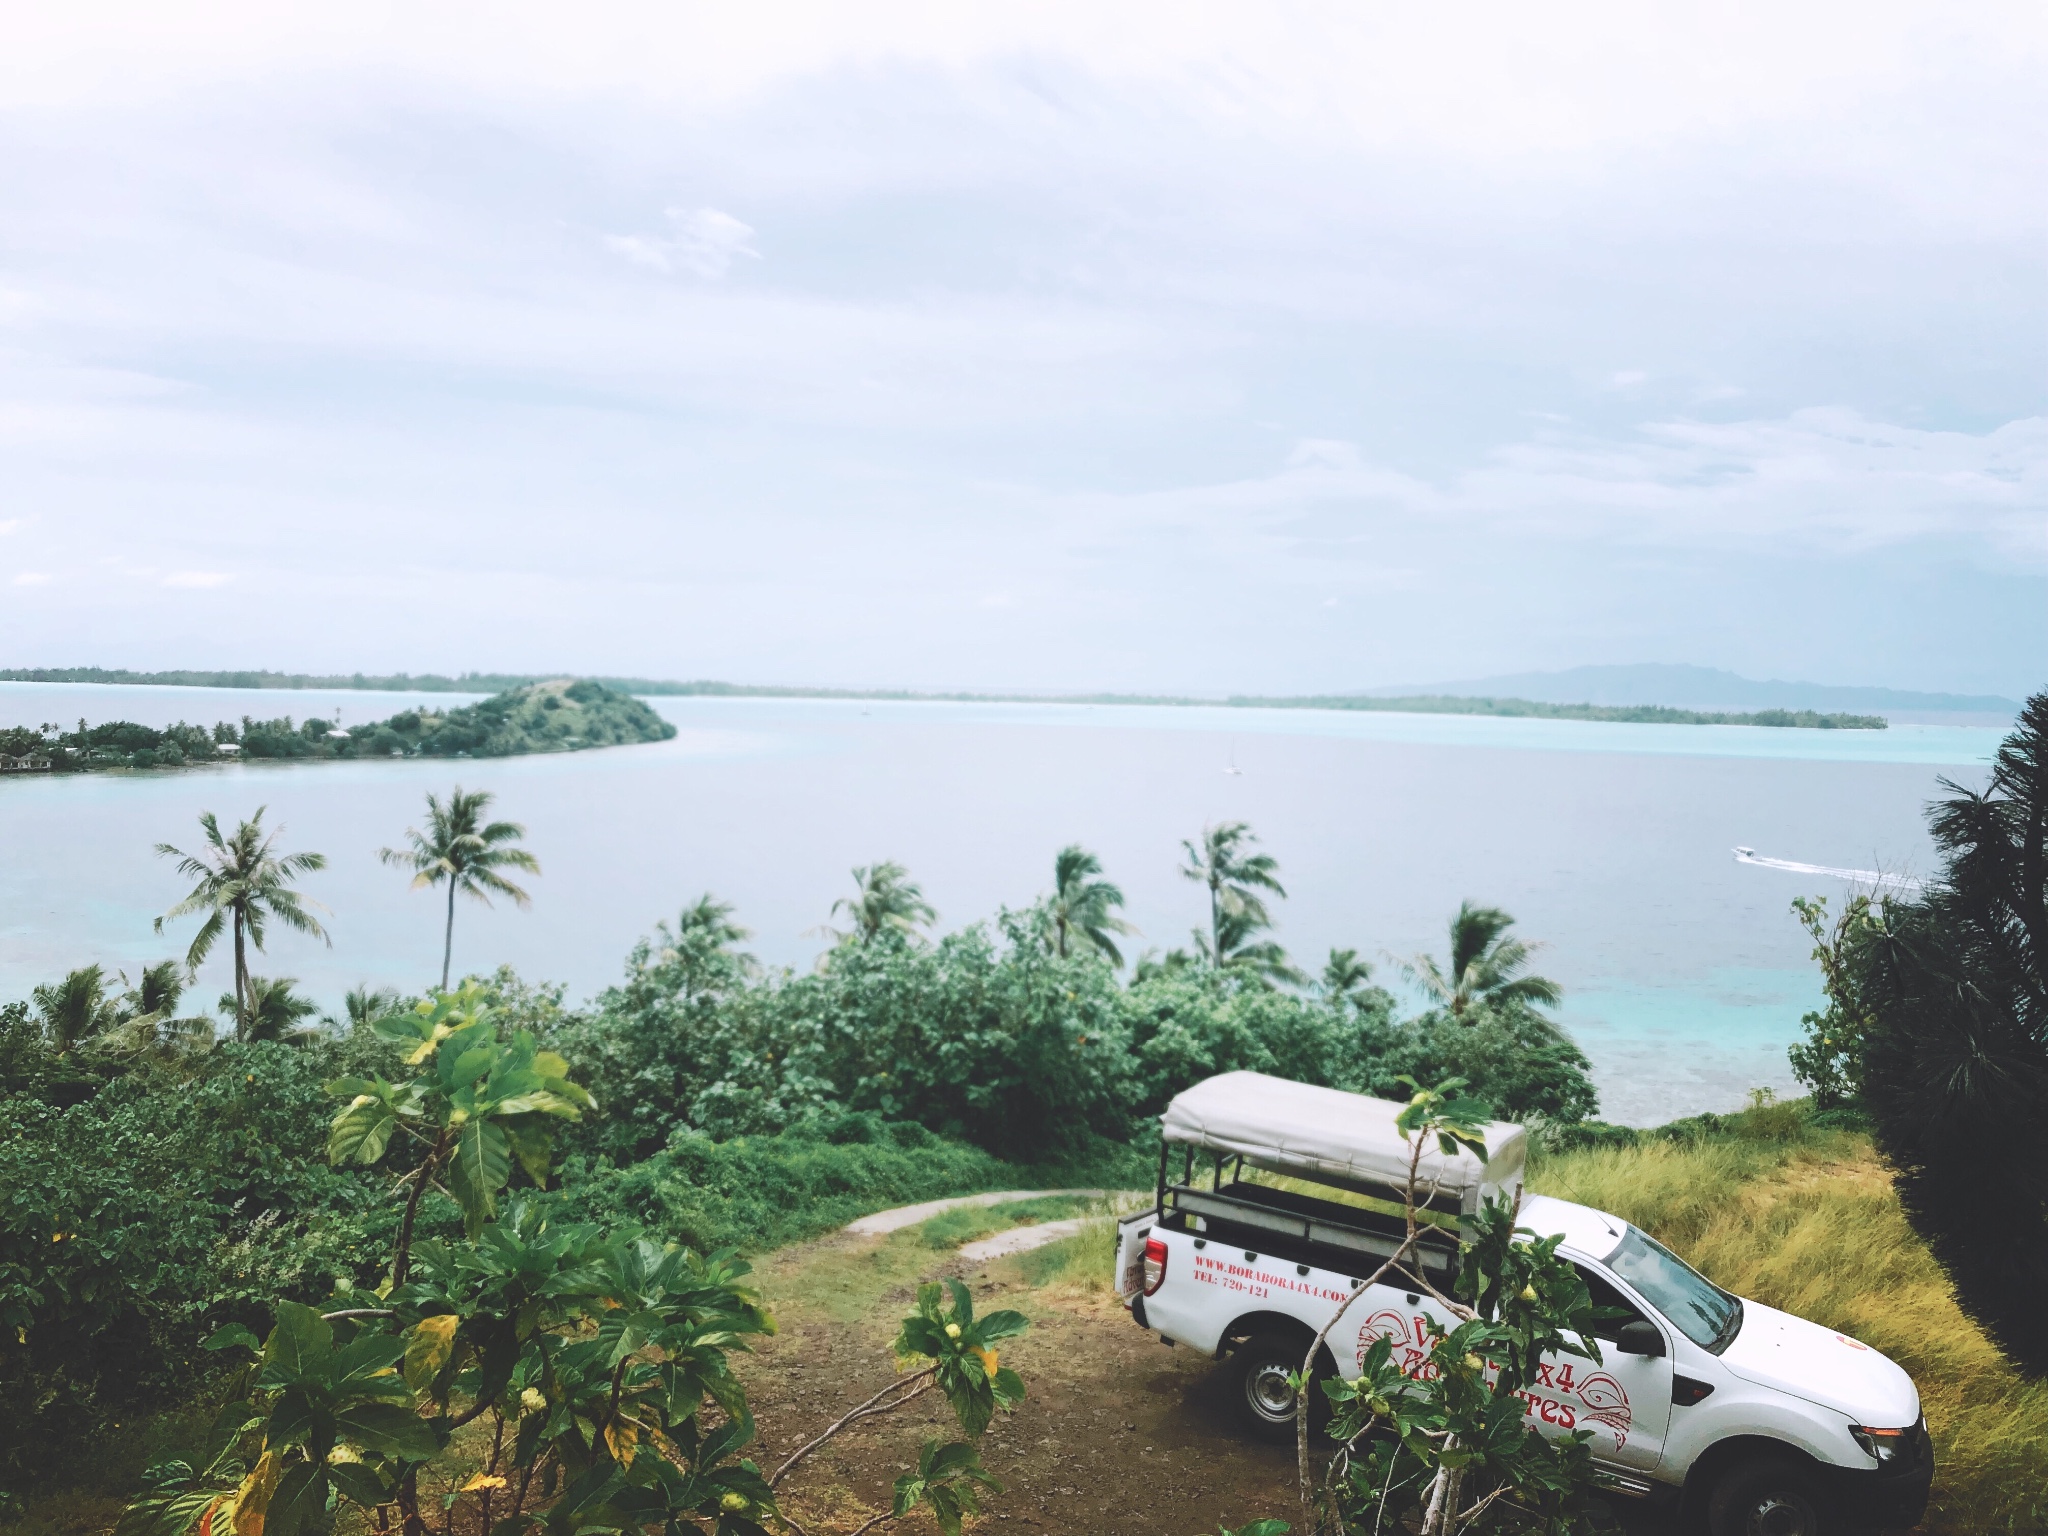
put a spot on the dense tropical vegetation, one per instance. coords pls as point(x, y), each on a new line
point(175, 1179)
point(557, 716)
point(1936, 1029)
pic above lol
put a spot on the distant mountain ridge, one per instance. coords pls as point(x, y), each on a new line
point(1685, 687)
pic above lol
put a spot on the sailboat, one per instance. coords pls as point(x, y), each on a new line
point(1233, 770)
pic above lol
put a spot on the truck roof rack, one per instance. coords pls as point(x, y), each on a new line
point(1333, 1137)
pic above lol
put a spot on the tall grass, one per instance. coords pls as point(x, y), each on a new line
point(1806, 1221)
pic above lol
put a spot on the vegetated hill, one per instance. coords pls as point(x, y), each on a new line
point(1701, 688)
point(559, 716)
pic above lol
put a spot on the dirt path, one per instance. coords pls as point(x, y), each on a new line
point(1119, 1434)
point(881, 1223)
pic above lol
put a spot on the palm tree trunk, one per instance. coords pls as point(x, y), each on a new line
point(241, 982)
point(1215, 926)
point(448, 940)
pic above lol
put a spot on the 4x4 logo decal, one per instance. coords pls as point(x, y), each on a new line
point(1596, 1398)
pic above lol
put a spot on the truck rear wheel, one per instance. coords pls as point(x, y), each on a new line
point(1265, 1398)
point(1769, 1496)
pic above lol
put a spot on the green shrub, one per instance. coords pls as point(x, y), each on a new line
point(757, 1192)
point(138, 1220)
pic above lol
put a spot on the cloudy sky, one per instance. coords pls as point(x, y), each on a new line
point(1060, 345)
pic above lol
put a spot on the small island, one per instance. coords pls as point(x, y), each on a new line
point(557, 716)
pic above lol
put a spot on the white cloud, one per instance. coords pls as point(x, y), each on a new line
point(702, 242)
point(1817, 480)
point(32, 579)
point(1130, 315)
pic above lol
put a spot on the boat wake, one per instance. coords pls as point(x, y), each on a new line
point(1870, 877)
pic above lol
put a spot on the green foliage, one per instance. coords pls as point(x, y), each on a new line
point(1448, 1441)
point(478, 1106)
point(595, 1356)
point(1955, 1043)
point(1081, 911)
point(962, 1349)
point(528, 717)
point(137, 1220)
point(758, 1192)
point(1223, 862)
point(885, 901)
point(1486, 967)
point(1418, 1439)
point(1518, 1061)
point(946, 1479)
point(1829, 1060)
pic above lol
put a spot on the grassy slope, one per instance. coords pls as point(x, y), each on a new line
point(1808, 1223)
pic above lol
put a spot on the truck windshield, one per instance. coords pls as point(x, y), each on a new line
point(1698, 1308)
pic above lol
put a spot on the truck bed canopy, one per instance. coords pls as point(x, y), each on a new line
point(1343, 1138)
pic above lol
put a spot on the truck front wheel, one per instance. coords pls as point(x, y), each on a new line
point(1769, 1496)
point(1265, 1398)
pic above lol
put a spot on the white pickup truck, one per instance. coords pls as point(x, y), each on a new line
point(1763, 1423)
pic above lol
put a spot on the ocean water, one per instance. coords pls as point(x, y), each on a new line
point(1685, 974)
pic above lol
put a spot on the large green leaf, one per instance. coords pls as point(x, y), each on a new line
point(362, 1130)
point(231, 1336)
point(387, 1429)
point(302, 1415)
point(300, 1345)
point(428, 1348)
point(465, 1056)
point(480, 1167)
point(299, 1500)
point(533, 1144)
point(358, 1482)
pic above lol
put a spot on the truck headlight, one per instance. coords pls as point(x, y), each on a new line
point(1888, 1447)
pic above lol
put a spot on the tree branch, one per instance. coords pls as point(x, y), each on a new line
point(868, 1409)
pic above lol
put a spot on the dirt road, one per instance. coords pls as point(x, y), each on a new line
point(1119, 1434)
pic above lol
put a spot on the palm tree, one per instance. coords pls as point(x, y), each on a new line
point(75, 1010)
point(242, 882)
point(1223, 861)
point(1954, 985)
point(459, 848)
point(364, 1005)
point(276, 1012)
point(1238, 952)
point(1486, 966)
point(886, 899)
point(156, 996)
point(703, 942)
point(1345, 976)
point(1082, 909)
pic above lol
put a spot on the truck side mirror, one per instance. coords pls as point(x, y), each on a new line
point(1640, 1338)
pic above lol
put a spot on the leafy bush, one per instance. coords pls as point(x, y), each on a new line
point(136, 1221)
point(756, 1192)
point(600, 1362)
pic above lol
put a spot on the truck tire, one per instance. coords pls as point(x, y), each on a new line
point(1769, 1496)
point(1264, 1401)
